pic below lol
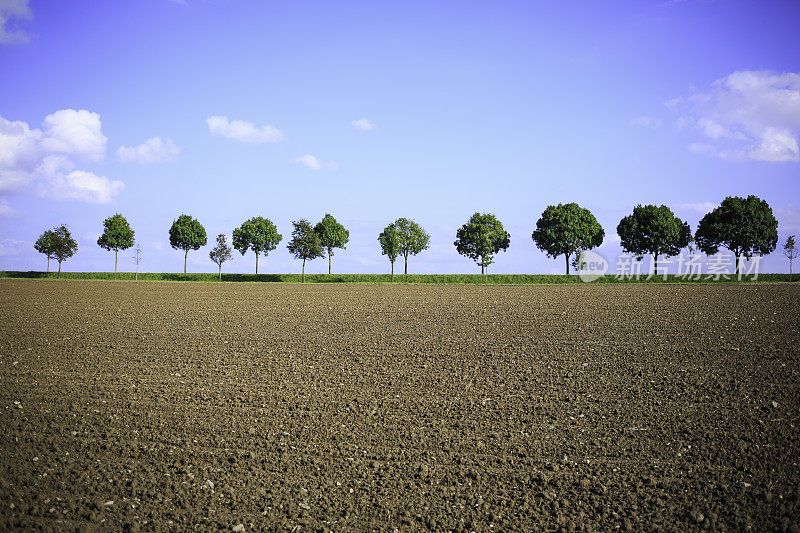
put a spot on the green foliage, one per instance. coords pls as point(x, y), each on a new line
point(481, 238)
point(653, 230)
point(221, 253)
point(411, 238)
point(187, 234)
point(567, 229)
point(390, 244)
point(331, 235)
point(258, 234)
point(789, 250)
point(45, 244)
point(305, 243)
point(117, 235)
point(745, 226)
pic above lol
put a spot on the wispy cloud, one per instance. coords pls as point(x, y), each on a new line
point(646, 122)
point(313, 163)
point(5, 209)
point(242, 131)
point(697, 207)
point(11, 247)
point(153, 150)
point(11, 12)
point(363, 124)
point(747, 115)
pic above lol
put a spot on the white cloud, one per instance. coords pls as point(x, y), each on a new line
point(5, 209)
point(11, 247)
point(646, 122)
point(9, 11)
point(747, 115)
point(698, 207)
point(242, 131)
point(313, 163)
point(47, 156)
point(153, 150)
point(363, 124)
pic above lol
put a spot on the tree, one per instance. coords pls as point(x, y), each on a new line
point(790, 251)
point(137, 258)
point(331, 235)
point(390, 244)
point(221, 253)
point(305, 244)
point(45, 245)
point(567, 229)
point(653, 230)
point(745, 226)
point(258, 234)
point(64, 246)
point(411, 239)
point(187, 234)
point(481, 238)
point(117, 235)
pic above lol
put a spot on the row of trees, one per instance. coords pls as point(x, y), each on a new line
point(745, 226)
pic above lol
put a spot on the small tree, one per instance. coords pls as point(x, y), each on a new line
point(305, 244)
point(411, 239)
point(45, 244)
point(258, 234)
point(790, 251)
point(567, 229)
point(117, 235)
point(187, 234)
point(390, 244)
point(64, 246)
point(653, 230)
point(331, 235)
point(137, 258)
point(745, 226)
point(220, 253)
point(481, 238)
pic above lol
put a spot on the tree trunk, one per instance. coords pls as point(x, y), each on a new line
point(405, 269)
point(220, 272)
point(736, 258)
point(566, 260)
point(116, 255)
point(392, 270)
point(303, 275)
point(48, 264)
point(256, 263)
point(655, 264)
point(329, 262)
point(185, 256)
point(790, 265)
point(59, 270)
point(482, 268)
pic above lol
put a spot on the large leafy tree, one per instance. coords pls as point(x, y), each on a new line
point(481, 238)
point(220, 253)
point(64, 246)
point(653, 230)
point(745, 226)
point(390, 244)
point(117, 235)
point(305, 244)
point(411, 239)
point(45, 244)
point(331, 235)
point(187, 234)
point(567, 229)
point(258, 234)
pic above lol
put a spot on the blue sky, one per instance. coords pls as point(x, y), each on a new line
point(371, 111)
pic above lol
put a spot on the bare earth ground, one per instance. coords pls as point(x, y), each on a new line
point(198, 405)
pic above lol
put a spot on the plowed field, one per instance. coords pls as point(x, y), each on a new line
point(179, 406)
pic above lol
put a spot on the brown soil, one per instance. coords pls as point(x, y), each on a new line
point(206, 406)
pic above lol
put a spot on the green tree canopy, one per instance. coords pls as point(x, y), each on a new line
point(481, 238)
point(187, 234)
point(390, 244)
point(221, 253)
point(258, 234)
point(331, 235)
point(745, 226)
point(653, 230)
point(411, 239)
point(567, 229)
point(305, 243)
point(45, 244)
point(63, 245)
point(117, 235)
